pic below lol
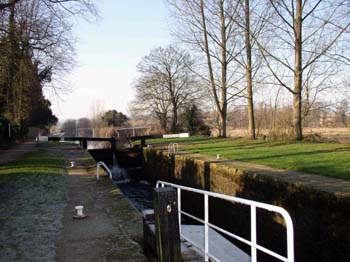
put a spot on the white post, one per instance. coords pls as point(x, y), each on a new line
point(98, 172)
point(253, 232)
point(179, 207)
point(76, 128)
point(290, 238)
point(206, 228)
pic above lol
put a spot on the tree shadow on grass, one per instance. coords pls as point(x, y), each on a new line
point(321, 151)
point(214, 149)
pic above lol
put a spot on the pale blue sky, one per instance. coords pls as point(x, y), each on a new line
point(108, 52)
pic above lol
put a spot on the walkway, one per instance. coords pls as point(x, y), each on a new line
point(113, 229)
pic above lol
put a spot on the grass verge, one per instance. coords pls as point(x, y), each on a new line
point(32, 199)
point(328, 159)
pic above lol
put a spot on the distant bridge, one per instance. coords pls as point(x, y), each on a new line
point(83, 140)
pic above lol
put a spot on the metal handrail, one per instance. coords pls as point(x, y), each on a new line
point(173, 148)
point(99, 164)
point(253, 206)
point(133, 129)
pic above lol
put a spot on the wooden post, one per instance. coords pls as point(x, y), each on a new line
point(143, 142)
point(167, 224)
point(84, 142)
point(149, 234)
point(113, 143)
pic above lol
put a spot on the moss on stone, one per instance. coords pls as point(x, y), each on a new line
point(319, 206)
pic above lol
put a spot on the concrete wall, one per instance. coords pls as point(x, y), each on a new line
point(319, 206)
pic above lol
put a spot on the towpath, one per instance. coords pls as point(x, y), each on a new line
point(113, 229)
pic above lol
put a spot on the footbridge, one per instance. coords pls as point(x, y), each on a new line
point(83, 140)
point(112, 140)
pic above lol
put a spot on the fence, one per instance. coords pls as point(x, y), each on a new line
point(253, 206)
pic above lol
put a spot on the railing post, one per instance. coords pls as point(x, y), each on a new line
point(167, 224)
point(253, 227)
point(290, 238)
point(253, 232)
point(143, 142)
point(179, 207)
point(206, 227)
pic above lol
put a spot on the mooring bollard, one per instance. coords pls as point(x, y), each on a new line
point(167, 224)
point(79, 212)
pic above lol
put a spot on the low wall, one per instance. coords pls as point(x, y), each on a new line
point(319, 206)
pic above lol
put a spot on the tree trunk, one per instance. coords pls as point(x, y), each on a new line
point(210, 69)
point(223, 112)
point(297, 119)
point(223, 116)
point(174, 120)
point(162, 117)
point(297, 99)
point(249, 79)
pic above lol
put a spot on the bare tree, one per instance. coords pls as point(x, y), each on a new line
point(166, 82)
point(151, 99)
point(251, 17)
point(36, 45)
point(209, 27)
point(249, 77)
point(307, 37)
point(44, 28)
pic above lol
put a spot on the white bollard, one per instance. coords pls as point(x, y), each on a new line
point(79, 210)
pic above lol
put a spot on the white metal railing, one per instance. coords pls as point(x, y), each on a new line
point(133, 130)
point(253, 206)
point(99, 164)
point(173, 148)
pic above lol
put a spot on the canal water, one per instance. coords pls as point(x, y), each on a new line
point(139, 193)
point(128, 177)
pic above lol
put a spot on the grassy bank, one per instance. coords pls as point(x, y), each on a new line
point(328, 159)
point(32, 199)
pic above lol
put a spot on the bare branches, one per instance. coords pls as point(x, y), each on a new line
point(166, 83)
point(209, 27)
point(315, 29)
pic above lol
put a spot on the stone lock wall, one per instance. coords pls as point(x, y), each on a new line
point(319, 206)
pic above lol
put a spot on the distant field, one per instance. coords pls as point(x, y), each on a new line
point(323, 133)
point(328, 159)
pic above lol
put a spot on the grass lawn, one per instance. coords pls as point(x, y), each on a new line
point(32, 199)
point(328, 159)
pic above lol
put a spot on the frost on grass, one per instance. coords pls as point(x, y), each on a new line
point(30, 220)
